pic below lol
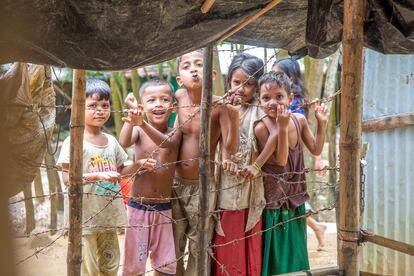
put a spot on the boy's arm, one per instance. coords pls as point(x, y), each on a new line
point(171, 139)
point(262, 135)
point(270, 144)
point(89, 177)
point(315, 146)
point(229, 127)
point(128, 136)
point(164, 140)
point(282, 124)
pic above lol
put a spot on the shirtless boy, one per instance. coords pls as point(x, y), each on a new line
point(156, 145)
point(224, 128)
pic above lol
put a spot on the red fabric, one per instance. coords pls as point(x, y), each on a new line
point(125, 184)
point(243, 257)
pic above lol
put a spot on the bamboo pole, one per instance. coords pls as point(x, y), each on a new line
point(28, 204)
point(207, 5)
point(392, 244)
point(53, 183)
point(350, 142)
point(249, 20)
point(77, 125)
point(38, 185)
point(389, 122)
point(204, 164)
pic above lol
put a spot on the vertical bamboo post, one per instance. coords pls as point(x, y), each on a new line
point(350, 142)
point(38, 185)
point(77, 125)
point(28, 204)
point(204, 163)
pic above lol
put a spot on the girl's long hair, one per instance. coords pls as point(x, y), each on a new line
point(291, 68)
point(251, 65)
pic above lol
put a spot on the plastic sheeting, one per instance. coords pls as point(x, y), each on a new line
point(24, 90)
point(120, 34)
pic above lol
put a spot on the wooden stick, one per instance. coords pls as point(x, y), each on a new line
point(207, 5)
point(392, 244)
point(51, 180)
point(389, 122)
point(28, 204)
point(38, 185)
point(315, 272)
point(204, 165)
point(350, 141)
point(77, 121)
point(249, 20)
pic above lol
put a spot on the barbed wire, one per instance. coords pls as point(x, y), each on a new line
point(132, 177)
point(279, 177)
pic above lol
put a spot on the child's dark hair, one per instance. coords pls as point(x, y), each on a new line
point(179, 58)
point(155, 82)
point(278, 78)
point(292, 69)
point(251, 66)
point(99, 88)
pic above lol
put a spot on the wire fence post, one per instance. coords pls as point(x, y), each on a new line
point(350, 141)
point(77, 125)
point(204, 163)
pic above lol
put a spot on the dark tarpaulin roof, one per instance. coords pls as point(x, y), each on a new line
point(120, 34)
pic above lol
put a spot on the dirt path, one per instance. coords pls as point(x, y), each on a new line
point(52, 261)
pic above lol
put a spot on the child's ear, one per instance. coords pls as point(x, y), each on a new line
point(214, 74)
point(175, 107)
point(179, 81)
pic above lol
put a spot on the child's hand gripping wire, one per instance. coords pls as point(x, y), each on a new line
point(250, 171)
point(230, 166)
point(135, 116)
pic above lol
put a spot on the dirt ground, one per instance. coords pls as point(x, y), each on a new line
point(52, 261)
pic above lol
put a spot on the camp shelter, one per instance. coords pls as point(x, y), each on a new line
point(114, 35)
point(121, 34)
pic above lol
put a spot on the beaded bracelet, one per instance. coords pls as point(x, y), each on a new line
point(256, 166)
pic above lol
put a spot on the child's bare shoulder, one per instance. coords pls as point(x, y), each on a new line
point(180, 93)
point(301, 119)
point(260, 128)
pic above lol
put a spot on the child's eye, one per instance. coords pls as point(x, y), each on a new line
point(199, 64)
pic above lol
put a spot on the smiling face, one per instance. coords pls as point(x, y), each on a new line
point(157, 102)
point(272, 95)
point(97, 111)
point(243, 86)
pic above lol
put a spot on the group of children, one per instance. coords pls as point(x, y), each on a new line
point(261, 189)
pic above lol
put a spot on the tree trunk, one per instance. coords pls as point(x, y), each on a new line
point(116, 104)
point(135, 83)
point(314, 73)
